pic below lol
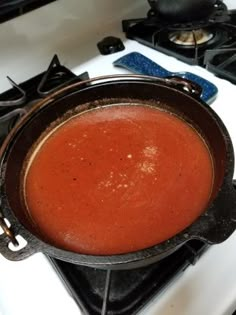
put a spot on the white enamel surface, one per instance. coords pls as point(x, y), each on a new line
point(71, 28)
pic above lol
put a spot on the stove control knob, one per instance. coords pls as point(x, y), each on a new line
point(110, 45)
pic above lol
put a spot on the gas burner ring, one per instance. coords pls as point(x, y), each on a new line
point(190, 38)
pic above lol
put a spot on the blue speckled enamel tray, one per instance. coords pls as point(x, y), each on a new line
point(138, 63)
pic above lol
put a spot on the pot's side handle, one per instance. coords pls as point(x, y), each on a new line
point(14, 245)
point(8, 231)
point(186, 86)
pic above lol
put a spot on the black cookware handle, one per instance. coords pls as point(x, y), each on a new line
point(185, 86)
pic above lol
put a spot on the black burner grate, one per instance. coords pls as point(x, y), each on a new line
point(124, 292)
point(15, 102)
point(154, 32)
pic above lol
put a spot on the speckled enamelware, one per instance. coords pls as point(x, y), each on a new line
point(138, 63)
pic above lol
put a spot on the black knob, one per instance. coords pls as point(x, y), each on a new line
point(110, 45)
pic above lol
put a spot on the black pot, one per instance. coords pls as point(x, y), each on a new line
point(215, 225)
point(183, 10)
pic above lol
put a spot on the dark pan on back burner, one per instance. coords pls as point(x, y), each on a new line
point(183, 10)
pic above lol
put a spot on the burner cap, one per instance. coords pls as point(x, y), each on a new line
point(190, 38)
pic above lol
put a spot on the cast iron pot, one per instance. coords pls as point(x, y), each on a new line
point(215, 225)
point(183, 10)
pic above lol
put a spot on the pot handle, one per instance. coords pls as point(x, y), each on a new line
point(14, 245)
point(185, 86)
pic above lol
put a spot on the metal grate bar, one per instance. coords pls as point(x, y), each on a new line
point(106, 293)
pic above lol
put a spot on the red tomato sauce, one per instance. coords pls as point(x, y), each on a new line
point(117, 180)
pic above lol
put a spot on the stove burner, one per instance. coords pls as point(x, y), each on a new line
point(125, 292)
point(190, 38)
point(222, 62)
point(195, 42)
point(55, 78)
point(15, 102)
point(19, 94)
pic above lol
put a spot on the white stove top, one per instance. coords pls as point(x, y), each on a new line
point(27, 45)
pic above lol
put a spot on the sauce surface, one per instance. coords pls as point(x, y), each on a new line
point(117, 180)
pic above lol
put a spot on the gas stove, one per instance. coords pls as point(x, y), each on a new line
point(15, 102)
point(32, 286)
point(125, 292)
point(209, 41)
